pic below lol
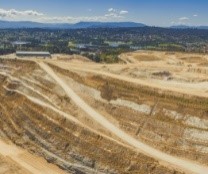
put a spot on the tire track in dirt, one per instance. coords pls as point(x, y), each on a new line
point(185, 165)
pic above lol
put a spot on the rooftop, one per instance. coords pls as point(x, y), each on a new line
point(33, 52)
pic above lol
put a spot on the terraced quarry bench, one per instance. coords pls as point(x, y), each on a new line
point(94, 118)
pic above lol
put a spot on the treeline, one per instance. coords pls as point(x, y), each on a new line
point(4, 51)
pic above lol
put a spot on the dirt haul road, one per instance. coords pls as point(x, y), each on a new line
point(185, 165)
point(178, 87)
point(27, 161)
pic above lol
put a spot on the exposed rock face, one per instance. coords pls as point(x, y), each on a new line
point(36, 114)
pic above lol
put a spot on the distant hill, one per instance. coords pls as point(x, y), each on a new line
point(203, 27)
point(189, 27)
point(80, 25)
point(180, 27)
point(29, 24)
point(107, 25)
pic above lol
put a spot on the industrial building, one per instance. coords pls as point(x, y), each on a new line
point(33, 54)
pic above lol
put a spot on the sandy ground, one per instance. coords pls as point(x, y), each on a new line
point(25, 161)
point(149, 68)
point(174, 161)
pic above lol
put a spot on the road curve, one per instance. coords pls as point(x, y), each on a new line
point(185, 165)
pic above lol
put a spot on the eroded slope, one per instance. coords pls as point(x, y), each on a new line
point(37, 115)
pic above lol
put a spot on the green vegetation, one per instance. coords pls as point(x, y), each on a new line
point(104, 44)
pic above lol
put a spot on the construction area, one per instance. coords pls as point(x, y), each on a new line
point(147, 114)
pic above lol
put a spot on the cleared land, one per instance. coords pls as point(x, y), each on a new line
point(147, 114)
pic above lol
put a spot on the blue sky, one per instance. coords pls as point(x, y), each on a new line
point(151, 12)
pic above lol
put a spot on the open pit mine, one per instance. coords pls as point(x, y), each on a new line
point(147, 114)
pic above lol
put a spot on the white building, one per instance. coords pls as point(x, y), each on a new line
point(33, 54)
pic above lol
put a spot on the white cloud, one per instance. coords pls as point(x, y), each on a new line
point(195, 15)
point(114, 13)
point(183, 19)
point(32, 15)
point(123, 12)
point(12, 13)
point(112, 10)
point(69, 19)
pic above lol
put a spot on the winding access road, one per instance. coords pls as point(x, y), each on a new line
point(177, 163)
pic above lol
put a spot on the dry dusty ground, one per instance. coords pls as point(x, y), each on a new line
point(14, 160)
point(147, 114)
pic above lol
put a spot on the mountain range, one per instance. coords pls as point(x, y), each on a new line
point(188, 27)
point(80, 25)
point(29, 24)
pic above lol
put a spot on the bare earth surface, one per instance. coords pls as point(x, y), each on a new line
point(15, 160)
point(173, 71)
point(146, 114)
point(186, 165)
